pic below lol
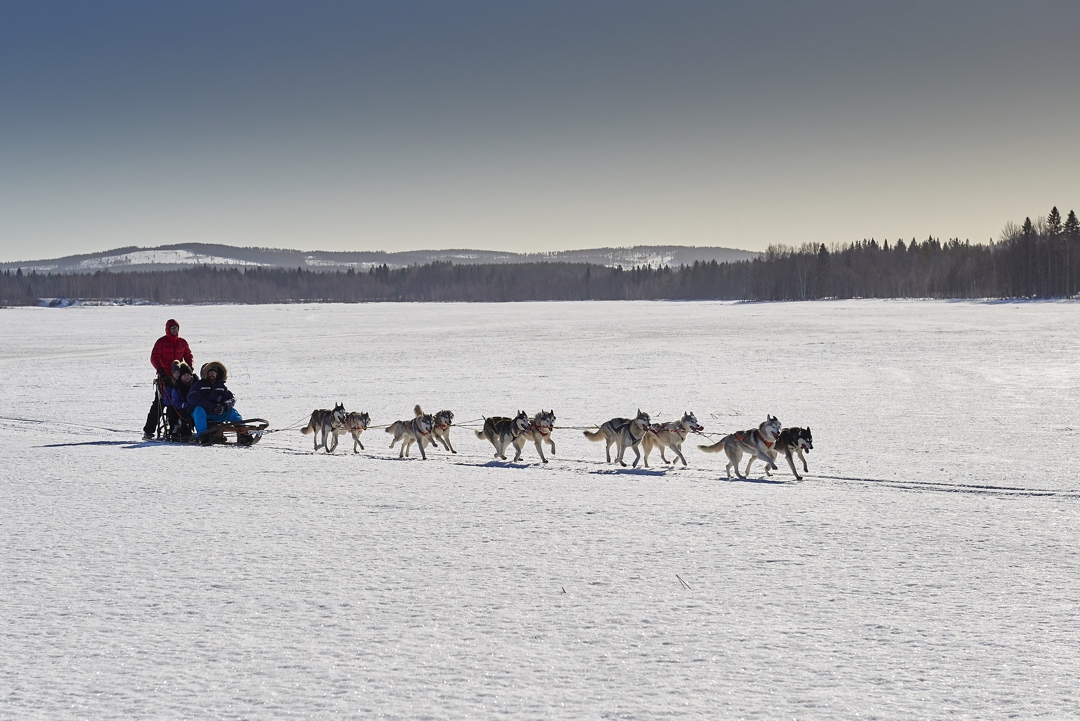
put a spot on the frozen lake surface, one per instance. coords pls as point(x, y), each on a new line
point(926, 568)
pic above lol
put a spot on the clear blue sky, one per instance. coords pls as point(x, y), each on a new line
point(530, 126)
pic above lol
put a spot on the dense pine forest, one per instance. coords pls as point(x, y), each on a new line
point(1038, 259)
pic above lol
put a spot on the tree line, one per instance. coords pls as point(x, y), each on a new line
point(1039, 259)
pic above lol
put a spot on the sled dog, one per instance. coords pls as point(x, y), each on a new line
point(756, 441)
point(440, 431)
point(539, 430)
point(354, 424)
point(670, 435)
point(413, 430)
point(624, 433)
point(323, 423)
point(789, 442)
point(502, 431)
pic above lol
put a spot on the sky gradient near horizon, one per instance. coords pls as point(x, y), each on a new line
point(531, 126)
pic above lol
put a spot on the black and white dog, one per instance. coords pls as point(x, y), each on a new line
point(789, 442)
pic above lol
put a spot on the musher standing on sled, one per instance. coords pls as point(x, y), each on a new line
point(210, 400)
point(168, 348)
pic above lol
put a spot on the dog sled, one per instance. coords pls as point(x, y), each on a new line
point(175, 426)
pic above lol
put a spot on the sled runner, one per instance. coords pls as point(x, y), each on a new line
point(244, 433)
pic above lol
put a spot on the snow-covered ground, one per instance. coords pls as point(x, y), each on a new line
point(926, 568)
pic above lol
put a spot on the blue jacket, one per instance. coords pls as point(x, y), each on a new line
point(206, 396)
point(176, 396)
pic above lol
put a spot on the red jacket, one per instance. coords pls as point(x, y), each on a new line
point(169, 348)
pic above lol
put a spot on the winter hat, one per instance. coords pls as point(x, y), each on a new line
point(222, 372)
point(176, 367)
point(182, 367)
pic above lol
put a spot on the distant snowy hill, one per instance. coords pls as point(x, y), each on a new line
point(171, 257)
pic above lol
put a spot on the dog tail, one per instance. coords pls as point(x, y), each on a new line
point(714, 448)
point(390, 428)
point(597, 435)
point(309, 429)
point(418, 410)
point(481, 434)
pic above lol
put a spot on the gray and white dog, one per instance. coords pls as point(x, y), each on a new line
point(624, 433)
point(440, 431)
point(789, 442)
point(756, 441)
point(539, 431)
point(415, 430)
point(503, 431)
point(354, 424)
point(670, 435)
point(325, 422)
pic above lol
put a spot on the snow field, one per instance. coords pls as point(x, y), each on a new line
point(925, 568)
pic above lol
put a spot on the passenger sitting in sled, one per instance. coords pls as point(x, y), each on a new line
point(177, 408)
point(210, 400)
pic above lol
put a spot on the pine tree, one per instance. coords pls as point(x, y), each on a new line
point(1071, 232)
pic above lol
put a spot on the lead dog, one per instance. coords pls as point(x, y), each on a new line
point(670, 435)
point(624, 433)
point(539, 430)
point(789, 442)
point(756, 441)
point(324, 422)
point(413, 430)
point(502, 431)
point(440, 431)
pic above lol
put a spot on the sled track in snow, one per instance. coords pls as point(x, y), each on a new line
point(946, 487)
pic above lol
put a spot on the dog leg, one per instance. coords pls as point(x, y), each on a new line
point(734, 459)
point(540, 451)
point(333, 447)
point(678, 451)
point(662, 456)
point(791, 462)
point(551, 443)
point(765, 454)
point(803, 459)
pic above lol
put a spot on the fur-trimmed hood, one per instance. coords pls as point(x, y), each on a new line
point(222, 371)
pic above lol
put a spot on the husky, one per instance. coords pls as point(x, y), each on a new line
point(440, 431)
point(670, 435)
point(756, 441)
point(789, 442)
point(502, 431)
point(623, 432)
point(354, 424)
point(414, 430)
point(323, 423)
point(539, 430)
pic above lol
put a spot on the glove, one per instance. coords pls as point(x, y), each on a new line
point(218, 410)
